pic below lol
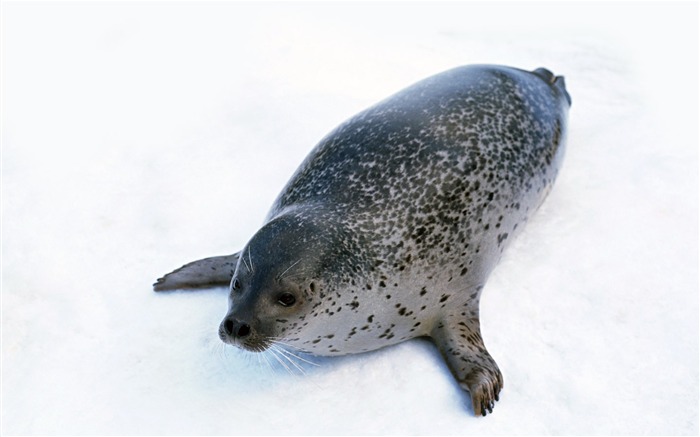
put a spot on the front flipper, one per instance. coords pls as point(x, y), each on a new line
point(459, 340)
point(207, 272)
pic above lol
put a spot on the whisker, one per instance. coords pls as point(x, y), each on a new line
point(279, 360)
point(270, 368)
point(295, 275)
point(302, 359)
point(246, 264)
point(251, 260)
point(283, 355)
point(288, 268)
point(223, 351)
point(259, 350)
point(282, 349)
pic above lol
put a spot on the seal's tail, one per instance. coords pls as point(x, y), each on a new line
point(556, 81)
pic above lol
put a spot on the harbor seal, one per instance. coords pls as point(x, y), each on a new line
point(390, 227)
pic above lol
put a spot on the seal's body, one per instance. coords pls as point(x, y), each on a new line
point(391, 226)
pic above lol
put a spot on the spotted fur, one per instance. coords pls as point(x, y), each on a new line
point(390, 227)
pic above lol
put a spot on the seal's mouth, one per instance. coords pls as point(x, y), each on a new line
point(248, 341)
point(254, 347)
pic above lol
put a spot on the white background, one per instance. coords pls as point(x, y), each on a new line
point(139, 136)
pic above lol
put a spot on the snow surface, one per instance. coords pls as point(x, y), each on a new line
point(139, 136)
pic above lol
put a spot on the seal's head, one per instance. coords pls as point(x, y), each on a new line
point(280, 280)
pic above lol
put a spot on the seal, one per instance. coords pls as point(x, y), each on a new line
point(391, 226)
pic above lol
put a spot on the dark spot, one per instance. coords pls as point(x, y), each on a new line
point(463, 272)
point(444, 297)
point(382, 284)
point(370, 318)
point(423, 291)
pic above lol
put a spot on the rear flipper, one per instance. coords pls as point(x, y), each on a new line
point(208, 272)
point(556, 81)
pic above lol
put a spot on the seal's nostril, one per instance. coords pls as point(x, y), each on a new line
point(228, 326)
point(234, 328)
point(243, 330)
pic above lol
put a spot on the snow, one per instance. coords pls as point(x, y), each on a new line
point(139, 136)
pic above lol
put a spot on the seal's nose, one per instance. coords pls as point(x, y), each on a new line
point(235, 328)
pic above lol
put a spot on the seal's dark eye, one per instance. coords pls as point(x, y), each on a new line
point(236, 284)
point(286, 299)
